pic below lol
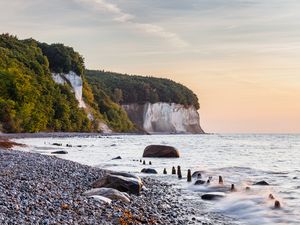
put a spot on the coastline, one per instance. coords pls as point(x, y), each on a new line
point(34, 187)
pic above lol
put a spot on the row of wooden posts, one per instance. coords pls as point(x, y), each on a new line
point(189, 179)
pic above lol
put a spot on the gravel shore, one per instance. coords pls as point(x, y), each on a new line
point(39, 189)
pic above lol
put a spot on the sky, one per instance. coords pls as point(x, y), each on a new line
point(241, 57)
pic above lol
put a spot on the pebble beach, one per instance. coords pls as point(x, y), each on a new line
point(40, 189)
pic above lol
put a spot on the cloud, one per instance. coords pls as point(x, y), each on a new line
point(122, 17)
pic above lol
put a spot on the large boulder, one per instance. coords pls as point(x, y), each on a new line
point(110, 193)
point(162, 151)
point(125, 184)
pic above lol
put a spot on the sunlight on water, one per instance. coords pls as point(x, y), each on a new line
point(240, 159)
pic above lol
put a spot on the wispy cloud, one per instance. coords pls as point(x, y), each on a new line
point(120, 16)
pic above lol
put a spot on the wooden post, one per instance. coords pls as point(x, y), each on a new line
point(173, 170)
point(150, 163)
point(189, 176)
point(179, 172)
point(277, 204)
point(221, 180)
point(165, 171)
point(144, 162)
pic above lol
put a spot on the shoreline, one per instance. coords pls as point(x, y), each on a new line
point(79, 134)
point(35, 187)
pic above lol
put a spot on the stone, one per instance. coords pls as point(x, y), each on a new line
point(122, 183)
point(148, 170)
point(101, 199)
point(57, 144)
point(118, 157)
point(110, 193)
point(179, 172)
point(162, 151)
point(60, 152)
point(197, 174)
point(263, 183)
point(213, 196)
point(199, 182)
point(277, 204)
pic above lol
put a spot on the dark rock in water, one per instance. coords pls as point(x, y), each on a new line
point(113, 145)
point(60, 152)
point(271, 196)
point(144, 162)
point(57, 144)
point(162, 151)
point(295, 178)
point(131, 184)
point(118, 157)
point(69, 145)
point(199, 182)
point(213, 196)
point(277, 204)
point(264, 183)
point(147, 170)
point(197, 174)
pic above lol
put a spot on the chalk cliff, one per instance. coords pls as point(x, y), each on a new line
point(164, 117)
point(75, 81)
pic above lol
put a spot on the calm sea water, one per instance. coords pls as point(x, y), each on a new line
point(240, 159)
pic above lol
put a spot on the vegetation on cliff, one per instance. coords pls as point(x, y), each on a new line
point(126, 89)
point(30, 101)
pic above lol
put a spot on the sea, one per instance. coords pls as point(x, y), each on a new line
point(241, 159)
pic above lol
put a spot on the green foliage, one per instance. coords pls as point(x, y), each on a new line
point(137, 89)
point(63, 59)
point(30, 101)
point(113, 114)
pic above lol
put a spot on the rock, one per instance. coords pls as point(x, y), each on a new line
point(213, 196)
point(60, 152)
point(197, 174)
point(125, 175)
point(57, 144)
point(122, 183)
point(263, 183)
point(148, 170)
point(101, 199)
point(199, 182)
point(118, 157)
point(162, 151)
point(277, 204)
point(108, 193)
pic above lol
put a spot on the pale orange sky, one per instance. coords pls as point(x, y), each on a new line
point(242, 58)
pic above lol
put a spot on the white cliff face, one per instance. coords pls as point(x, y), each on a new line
point(75, 81)
point(164, 117)
point(77, 85)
